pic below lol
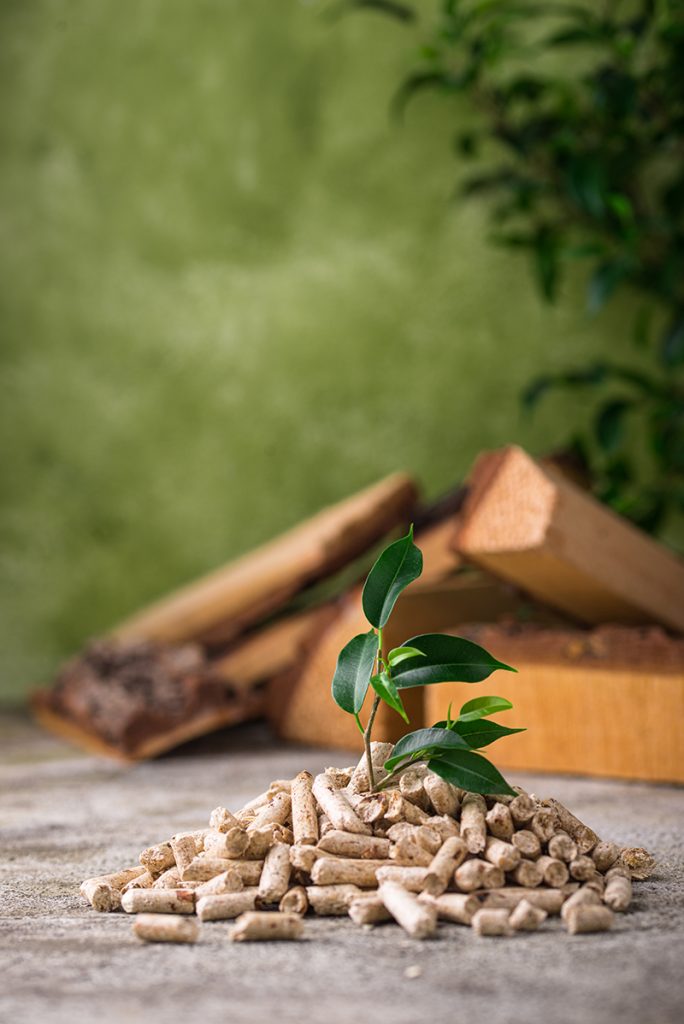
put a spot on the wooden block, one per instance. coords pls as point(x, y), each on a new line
point(605, 702)
point(537, 530)
point(222, 605)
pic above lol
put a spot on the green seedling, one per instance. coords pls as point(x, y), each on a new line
point(451, 747)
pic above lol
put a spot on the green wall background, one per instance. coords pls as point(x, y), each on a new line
point(232, 290)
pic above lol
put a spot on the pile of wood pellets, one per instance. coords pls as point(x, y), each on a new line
point(418, 852)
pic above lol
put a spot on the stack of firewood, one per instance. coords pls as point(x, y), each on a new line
point(419, 851)
point(589, 609)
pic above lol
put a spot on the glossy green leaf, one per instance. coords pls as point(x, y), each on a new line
point(471, 771)
point(448, 659)
point(428, 740)
point(398, 565)
point(480, 707)
point(482, 732)
point(399, 654)
point(353, 672)
point(385, 688)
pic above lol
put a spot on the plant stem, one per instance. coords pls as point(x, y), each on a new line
point(369, 725)
point(400, 768)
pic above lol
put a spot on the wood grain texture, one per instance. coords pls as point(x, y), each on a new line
point(221, 605)
point(588, 714)
point(537, 530)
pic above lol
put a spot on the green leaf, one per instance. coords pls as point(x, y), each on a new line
point(471, 771)
point(398, 565)
point(448, 659)
point(480, 707)
point(353, 672)
point(400, 654)
point(481, 733)
point(384, 686)
point(428, 740)
point(610, 424)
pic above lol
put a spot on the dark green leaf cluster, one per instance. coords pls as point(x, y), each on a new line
point(579, 146)
point(449, 747)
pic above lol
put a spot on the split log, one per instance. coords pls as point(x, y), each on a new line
point(566, 691)
point(532, 527)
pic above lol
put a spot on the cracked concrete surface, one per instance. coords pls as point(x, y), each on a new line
point(65, 816)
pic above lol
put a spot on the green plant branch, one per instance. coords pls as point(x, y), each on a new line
point(371, 719)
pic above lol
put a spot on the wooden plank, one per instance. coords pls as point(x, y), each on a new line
point(605, 703)
point(223, 604)
point(537, 530)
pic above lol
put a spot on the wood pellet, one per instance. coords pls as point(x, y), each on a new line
point(420, 854)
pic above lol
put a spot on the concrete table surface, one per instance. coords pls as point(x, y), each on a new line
point(65, 816)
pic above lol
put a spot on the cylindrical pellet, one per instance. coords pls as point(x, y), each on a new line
point(544, 824)
point(417, 919)
point(295, 901)
point(503, 854)
point(333, 803)
point(618, 892)
point(275, 812)
point(604, 855)
point(585, 837)
point(368, 908)
point(583, 897)
point(500, 822)
point(442, 795)
point(442, 866)
point(588, 918)
point(527, 843)
point(473, 824)
point(159, 858)
point(582, 868)
point(226, 906)
point(526, 917)
point(562, 847)
point(102, 896)
point(304, 814)
point(412, 879)
point(165, 928)
point(221, 820)
point(159, 901)
point(555, 872)
point(491, 922)
point(528, 874)
point(331, 900)
point(336, 871)
point(229, 881)
point(351, 844)
point(256, 926)
point(522, 809)
point(453, 906)
point(275, 875)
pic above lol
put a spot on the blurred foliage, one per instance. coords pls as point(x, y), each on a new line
point(578, 144)
point(217, 275)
